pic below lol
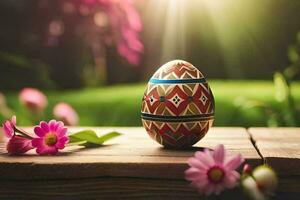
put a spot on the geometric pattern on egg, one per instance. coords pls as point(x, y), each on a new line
point(178, 105)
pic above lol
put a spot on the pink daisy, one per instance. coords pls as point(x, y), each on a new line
point(213, 171)
point(52, 136)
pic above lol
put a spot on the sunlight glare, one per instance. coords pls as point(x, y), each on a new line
point(174, 34)
point(177, 24)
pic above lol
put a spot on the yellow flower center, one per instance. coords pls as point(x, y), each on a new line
point(50, 139)
point(215, 174)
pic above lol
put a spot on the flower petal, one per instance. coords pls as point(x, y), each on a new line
point(191, 173)
point(8, 130)
point(230, 179)
point(200, 185)
point(41, 150)
point(219, 154)
point(14, 120)
point(193, 162)
point(18, 145)
point(194, 174)
point(46, 150)
point(233, 162)
point(57, 125)
point(37, 142)
point(39, 131)
point(60, 124)
point(62, 142)
point(62, 132)
point(52, 125)
point(44, 126)
point(235, 174)
point(205, 157)
point(52, 151)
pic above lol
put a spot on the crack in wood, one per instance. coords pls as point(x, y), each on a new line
point(255, 146)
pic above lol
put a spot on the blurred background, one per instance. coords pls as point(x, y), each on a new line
point(87, 62)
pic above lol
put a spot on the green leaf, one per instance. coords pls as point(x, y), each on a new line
point(109, 136)
point(90, 145)
point(89, 138)
point(86, 135)
point(281, 87)
point(80, 143)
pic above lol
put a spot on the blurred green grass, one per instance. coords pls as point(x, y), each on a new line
point(120, 105)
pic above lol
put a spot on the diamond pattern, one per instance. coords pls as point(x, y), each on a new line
point(177, 101)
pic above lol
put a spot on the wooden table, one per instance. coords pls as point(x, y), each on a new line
point(134, 166)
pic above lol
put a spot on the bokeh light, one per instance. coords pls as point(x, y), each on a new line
point(56, 28)
point(101, 19)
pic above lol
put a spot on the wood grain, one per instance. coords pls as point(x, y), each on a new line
point(134, 154)
point(120, 188)
point(280, 147)
point(135, 167)
point(103, 188)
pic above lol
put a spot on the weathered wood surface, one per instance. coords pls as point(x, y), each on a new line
point(103, 188)
point(280, 148)
point(134, 166)
point(98, 188)
point(132, 155)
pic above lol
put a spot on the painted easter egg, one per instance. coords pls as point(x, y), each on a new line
point(178, 105)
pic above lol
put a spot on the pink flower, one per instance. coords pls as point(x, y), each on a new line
point(52, 136)
point(9, 126)
point(65, 113)
point(213, 171)
point(33, 99)
point(16, 144)
point(125, 25)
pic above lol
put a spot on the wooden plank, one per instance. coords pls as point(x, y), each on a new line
point(289, 184)
point(280, 147)
point(132, 155)
point(103, 188)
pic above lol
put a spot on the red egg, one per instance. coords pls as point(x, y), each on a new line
point(178, 105)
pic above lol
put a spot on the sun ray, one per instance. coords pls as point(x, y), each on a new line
point(174, 33)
